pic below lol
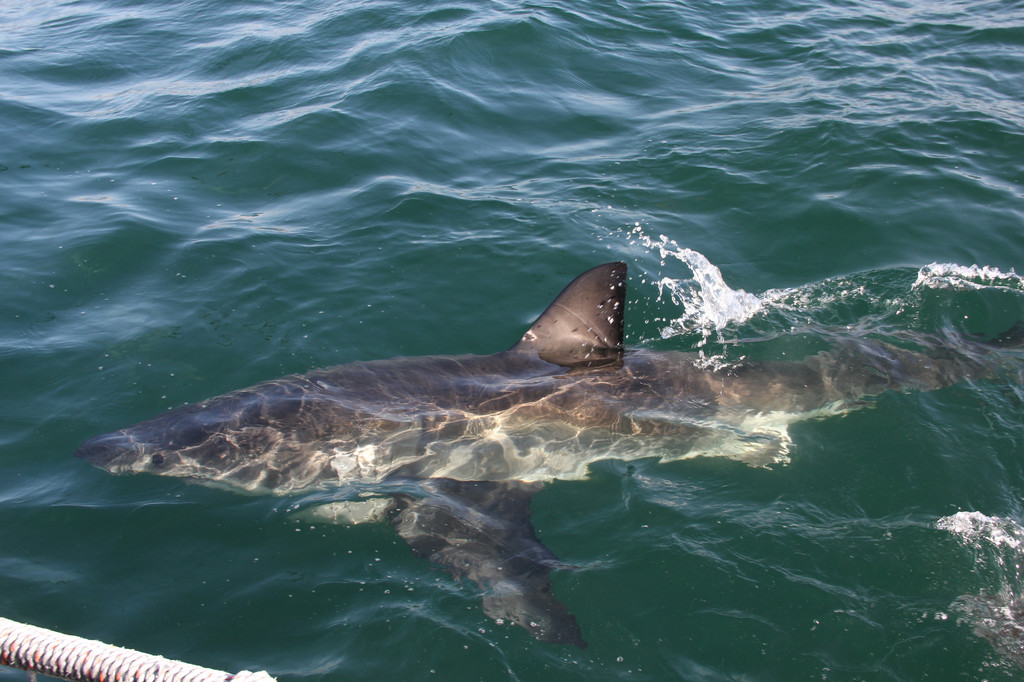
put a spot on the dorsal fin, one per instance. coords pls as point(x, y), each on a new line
point(583, 326)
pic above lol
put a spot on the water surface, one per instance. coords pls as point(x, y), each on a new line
point(199, 196)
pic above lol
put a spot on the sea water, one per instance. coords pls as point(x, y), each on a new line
point(199, 196)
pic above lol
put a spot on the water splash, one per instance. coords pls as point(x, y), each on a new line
point(960, 277)
point(707, 301)
point(863, 302)
point(974, 529)
point(708, 304)
point(997, 548)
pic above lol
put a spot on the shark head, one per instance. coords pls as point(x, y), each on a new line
point(231, 441)
point(120, 453)
point(175, 443)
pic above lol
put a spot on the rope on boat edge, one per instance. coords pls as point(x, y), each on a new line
point(84, 660)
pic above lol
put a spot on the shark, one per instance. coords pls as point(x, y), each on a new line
point(450, 450)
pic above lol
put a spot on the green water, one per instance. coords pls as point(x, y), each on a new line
point(198, 196)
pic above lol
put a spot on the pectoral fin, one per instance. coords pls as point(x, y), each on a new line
point(481, 530)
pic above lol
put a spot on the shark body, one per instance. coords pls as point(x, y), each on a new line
point(451, 449)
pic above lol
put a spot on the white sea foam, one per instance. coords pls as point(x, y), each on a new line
point(974, 529)
point(953, 276)
point(708, 303)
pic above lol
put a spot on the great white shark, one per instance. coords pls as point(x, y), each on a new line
point(450, 450)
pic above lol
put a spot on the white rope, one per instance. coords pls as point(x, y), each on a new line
point(84, 660)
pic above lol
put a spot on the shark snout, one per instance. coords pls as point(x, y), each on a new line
point(111, 451)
